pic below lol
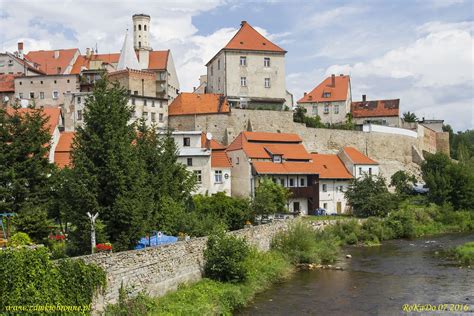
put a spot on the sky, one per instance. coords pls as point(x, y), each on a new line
point(420, 51)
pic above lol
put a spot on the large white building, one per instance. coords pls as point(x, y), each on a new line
point(249, 71)
point(358, 164)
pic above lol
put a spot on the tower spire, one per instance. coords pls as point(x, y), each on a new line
point(128, 58)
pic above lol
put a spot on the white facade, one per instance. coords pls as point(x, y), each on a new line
point(221, 180)
point(141, 31)
point(365, 170)
point(331, 195)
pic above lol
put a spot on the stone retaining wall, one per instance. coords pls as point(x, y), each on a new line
point(161, 269)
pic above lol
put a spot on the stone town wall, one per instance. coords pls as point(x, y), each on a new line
point(161, 269)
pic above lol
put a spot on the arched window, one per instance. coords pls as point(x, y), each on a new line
point(139, 27)
point(134, 28)
point(139, 44)
point(144, 27)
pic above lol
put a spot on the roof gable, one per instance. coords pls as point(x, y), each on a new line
point(52, 62)
point(52, 114)
point(247, 38)
point(333, 88)
point(357, 157)
point(219, 159)
point(330, 167)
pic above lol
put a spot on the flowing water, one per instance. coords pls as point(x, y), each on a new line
point(377, 281)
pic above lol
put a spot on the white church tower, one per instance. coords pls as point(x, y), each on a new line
point(141, 38)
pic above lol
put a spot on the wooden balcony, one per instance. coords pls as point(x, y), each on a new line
point(305, 192)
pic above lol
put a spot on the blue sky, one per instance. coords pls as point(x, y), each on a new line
point(420, 51)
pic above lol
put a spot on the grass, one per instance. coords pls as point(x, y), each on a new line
point(209, 297)
point(465, 253)
point(314, 218)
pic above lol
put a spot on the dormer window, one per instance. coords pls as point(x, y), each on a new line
point(326, 94)
point(277, 159)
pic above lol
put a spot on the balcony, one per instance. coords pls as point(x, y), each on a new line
point(305, 192)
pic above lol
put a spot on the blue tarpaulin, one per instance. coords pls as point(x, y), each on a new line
point(155, 240)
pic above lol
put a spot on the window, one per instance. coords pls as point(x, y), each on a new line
point(296, 206)
point(135, 92)
point(79, 115)
point(325, 187)
point(55, 95)
point(370, 171)
point(282, 181)
point(41, 95)
point(144, 102)
point(153, 116)
point(186, 141)
point(160, 117)
point(326, 94)
point(238, 160)
point(266, 62)
point(139, 27)
point(218, 176)
point(326, 108)
point(198, 175)
point(55, 81)
point(315, 110)
point(161, 105)
point(67, 81)
point(267, 82)
point(153, 103)
point(145, 115)
point(336, 109)
point(325, 205)
point(79, 100)
point(302, 182)
point(360, 170)
point(2, 64)
point(133, 101)
point(189, 162)
point(58, 70)
point(219, 83)
point(31, 82)
point(292, 182)
point(212, 70)
point(243, 61)
point(21, 83)
point(20, 95)
point(139, 44)
point(144, 27)
point(10, 62)
point(277, 158)
point(32, 95)
point(243, 81)
point(218, 64)
point(41, 81)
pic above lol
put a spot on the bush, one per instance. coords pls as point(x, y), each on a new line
point(298, 243)
point(225, 255)
point(465, 253)
point(19, 239)
point(31, 278)
point(58, 250)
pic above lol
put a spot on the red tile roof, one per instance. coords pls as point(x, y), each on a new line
point(158, 59)
point(191, 103)
point(7, 83)
point(357, 157)
point(53, 115)
point(269, 167)
point(261, 145)
point(48, 63)
point(247, 38)
point(62, 154)
point(337, 92)
point(219, 159)
point(330, 167)
point(376, 108)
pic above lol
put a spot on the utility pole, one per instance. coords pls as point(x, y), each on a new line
point(92, 218)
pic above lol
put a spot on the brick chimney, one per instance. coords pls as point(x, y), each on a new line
point(20, 50)
point(304, 94)
point(242, 23)
point(364, 98)
point(333, 80)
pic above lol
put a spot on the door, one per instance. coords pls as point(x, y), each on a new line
point(296, 207)
point(339, 207)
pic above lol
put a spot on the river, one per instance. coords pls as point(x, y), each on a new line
point(376, 281)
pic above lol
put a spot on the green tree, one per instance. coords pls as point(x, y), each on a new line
point(270, 198)
point(108, 176)
point(410, 117)
point(403, 182)
point(369, 196)
point(299, 114)
point(24, 175)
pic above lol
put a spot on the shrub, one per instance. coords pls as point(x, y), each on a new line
point(375, 230)
point(19, 239)
point(58, 250)
point(298, 243)
point(346, 230)
point(352, 239)
point(225, 255)
point(465, 253)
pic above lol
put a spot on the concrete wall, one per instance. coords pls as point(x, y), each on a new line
point(161, 269)
point(393, 121)
point(389, 130)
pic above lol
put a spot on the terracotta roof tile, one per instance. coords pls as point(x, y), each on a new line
point(52, 114)
point(62, 154)
point(330, 167)
point(191, 103)
point(357, 157)
point(214, 144)
point(376, 108)
point(247, 38)
point(158, 59)
point(336, 92)
point(269, 167)
point(7, 83)
point(219, 159)
point(272, 137)
point(48, 63)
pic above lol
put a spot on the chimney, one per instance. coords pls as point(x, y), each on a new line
point(364, 98)
point(304, 94)
point(333, 80)
point(56, 54)
point(242, 23)
point(20, 50)
point(88, 52)
point(194, 88)
point(342, 75)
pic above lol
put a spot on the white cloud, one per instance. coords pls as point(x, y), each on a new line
point(330, 17)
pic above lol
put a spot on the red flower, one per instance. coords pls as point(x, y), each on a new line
point(103, 247)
